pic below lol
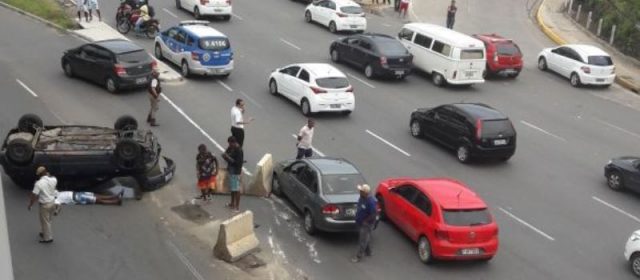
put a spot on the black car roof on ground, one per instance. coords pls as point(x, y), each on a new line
point(118, 46)
point(480, 111)
point(333, 166)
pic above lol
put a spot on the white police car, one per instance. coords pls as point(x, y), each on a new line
point(197, 48)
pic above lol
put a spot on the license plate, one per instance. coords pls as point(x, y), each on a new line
point(500, 142)
point(600, 80)
point(141, 80)
point(472, 251)
point(168, 177)
point(351, 212)
point(217, 10)
point(334, 106)
point(354, 26)
point(469, 74)
point(399, 72)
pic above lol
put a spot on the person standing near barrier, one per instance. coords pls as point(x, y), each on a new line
point(305, 137)
point(237, 121)
point(451, 14)
point(154, 97)
point(93, 5)
point(44, 191)
point(207, 169)
point(81, 8)
point(403, 8)
point(365, 220)
point(235, 159)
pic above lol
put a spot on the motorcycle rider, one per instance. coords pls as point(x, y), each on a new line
point(143, 17)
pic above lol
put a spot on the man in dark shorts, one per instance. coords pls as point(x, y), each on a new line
point(235, 159)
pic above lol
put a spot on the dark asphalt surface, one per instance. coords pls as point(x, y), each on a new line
point(554, 182)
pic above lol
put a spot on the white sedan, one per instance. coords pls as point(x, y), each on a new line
point(338, 15)
point(201, 8)
point(632, 252)
point(315, 87)
point(582, 64)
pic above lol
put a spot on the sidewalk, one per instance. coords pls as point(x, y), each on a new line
point(562, 30)
point(97, 31)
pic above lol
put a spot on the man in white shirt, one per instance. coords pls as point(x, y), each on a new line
point(305, 137)
point(45, 192)
point(237, 121)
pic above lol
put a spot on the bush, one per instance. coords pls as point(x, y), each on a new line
point(47, 9)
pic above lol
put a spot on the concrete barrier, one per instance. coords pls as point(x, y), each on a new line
point(236, 238)
point(261, 182)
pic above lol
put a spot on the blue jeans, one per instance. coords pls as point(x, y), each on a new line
point(306, 153)
point(139, 24)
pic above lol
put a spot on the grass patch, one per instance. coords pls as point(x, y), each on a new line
point(48, 9)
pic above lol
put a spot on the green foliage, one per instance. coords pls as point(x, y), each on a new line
point(47, 9)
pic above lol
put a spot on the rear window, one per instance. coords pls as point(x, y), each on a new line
point(351, 10)
point(391, 48)
point(474, 217)
point(508, 49)
point(494, 127)
point(133, 57)
point(341, 183)
point(471, 54)
point(214, 44)
point(600, 60)
point(333, 82)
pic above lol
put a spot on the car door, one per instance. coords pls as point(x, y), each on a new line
point(634, 176)
point(574, 61)
point(288, 177)
point(288, 81)
point(399, 203)
point(555, 56)
point(427, 122)
point(300, 189)
point(317, 11)
point(441, 120)
point(103, 66)
point(455, 127)
point(562, 61)
point(419, 216)
point(299, 88)
point(347, 52)
point(362, 52)
point(85, 61)
point(180, 50)
point(169, 43)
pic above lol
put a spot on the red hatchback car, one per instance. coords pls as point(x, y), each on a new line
point(447, 220)
point(503, 55)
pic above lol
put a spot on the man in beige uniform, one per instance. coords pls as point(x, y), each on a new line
point(45, 192)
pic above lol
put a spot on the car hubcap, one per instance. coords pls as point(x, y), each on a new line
point(636, 266)
point(462, 153)
point(332, 27)
point(334, 55)
point(415, 128)
point(158, 52)
point(436, 79)
point(67, 68)
point(308, 222)
point(273, 88)
point(197, 12)
point(185, 69)
point(423, 249)
point(307, 17)
point(614, 181)
point(111, 85)
point(541, 64)
point(574, 79)
point(368, 71)
point(305, 107)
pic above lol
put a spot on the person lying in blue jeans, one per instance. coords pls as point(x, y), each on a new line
point(83, 198)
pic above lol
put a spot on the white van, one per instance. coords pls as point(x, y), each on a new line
point(449, 56)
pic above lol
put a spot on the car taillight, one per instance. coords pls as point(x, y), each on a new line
point(455, 73)
point(120, 70)
point(478, 129)
point(330, 209)
point(495, 57)
point(204, 2)
point(613, 70)
point(383, 60)
point(154, 65)
point(317, 90)
point(350, 89)
point(585, 69)
point(195, 56)
point(442, 234)
point(341, 15)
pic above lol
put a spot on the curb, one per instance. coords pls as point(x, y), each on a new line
point(625, 83)
point(40, 19)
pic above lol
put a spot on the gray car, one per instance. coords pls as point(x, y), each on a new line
point(323, 189)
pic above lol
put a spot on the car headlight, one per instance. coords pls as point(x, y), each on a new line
point(609, 162)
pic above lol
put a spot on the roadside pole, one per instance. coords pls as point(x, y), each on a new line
point(6, 269)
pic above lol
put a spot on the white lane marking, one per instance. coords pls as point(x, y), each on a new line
point(388, 143)
point(250, 99)
point(386, 25)
point(360, 80)
point(313, 148)
point(618, 128)
point(225, 85)
point(198, 128)
point(284, 205)
point(290, 44)
point(237, 16)
point(27, 88)
point(169, 12)
point(526, 224)
point(184, 260)
point(617, 209)
point(543, 131)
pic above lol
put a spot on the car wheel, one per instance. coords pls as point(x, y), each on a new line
point(184, 69)
point(178, 5)
point(151, 32)
point(196, 13)
point(273, 87)
point(19, 151)
point(615, 181)
point(123, 26)
point(275, 186)
point(634, 263)
point(542, 64)
point(111, 85)
point(332, 27)
point(226, 18)
point(127, 153)
point(463, 154)
point(437, 79)
point(424, 250)
point(68, 70)
point(335, 56)
point(368, 71)
point(158, 51)
point(30, 123)
point(309, 224)
point(486, 73)
point(381, 209)
point(307, 17)
point(574, 79)
point(346, 113)
point(505, 158)
point(126, 122)
point(514, 75)
point(305, 107)
point(416, 130)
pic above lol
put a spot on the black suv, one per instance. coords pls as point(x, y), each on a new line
point(377, 54)
point(472, 129)
point(116, 64)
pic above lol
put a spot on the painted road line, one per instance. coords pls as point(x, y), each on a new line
point(543, 131)
point(616, 208)
point(225, 85)
point(313, 148)
point(27, 88)
point(199, 128)
point(618, 128)
point(386, 25)
point(169, 12)
point(290, 44)
point(388, 143)
point(527, 224)
point(237, 16)
point(184, 260)
point(251, 99)
point(360, 80)
point(284, 205)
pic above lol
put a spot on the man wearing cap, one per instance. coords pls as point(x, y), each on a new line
point(365, 220)
point(45, 192)
point(155, 90)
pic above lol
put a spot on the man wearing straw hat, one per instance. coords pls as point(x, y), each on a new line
point(45, 192)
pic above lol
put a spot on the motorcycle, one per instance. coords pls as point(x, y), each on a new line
point(124, 11)
point(149, 28)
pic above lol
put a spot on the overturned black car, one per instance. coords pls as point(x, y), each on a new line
point(84, 156)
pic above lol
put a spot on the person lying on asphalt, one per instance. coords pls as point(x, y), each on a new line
point(71, 198)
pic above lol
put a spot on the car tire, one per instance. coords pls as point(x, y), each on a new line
point(514, 75)
point(486, 73)
point(368, 71)
point(307, 17)
point(574, 79)
point(68, 70)
point(615, 181)
point(273, 87)
point(332, 27)
point(415, 128)
point(382, 210)
point(224, 76)
point(424, 250)
point(226, 18)
point(275, 186)
point(126, 122)
point(335, 56)
point(308, 223)
point(127, 154)
point(158, 52)
point(178, 5)
point(19, 151)
point(437, 79)
point(305, 107)
point(111, 85)
point(346, 113)
point(463, 154)
point(30, 123)
point(542, 64)
point(184, 69)
point(196, 13)
point(152, 31)
point(634, 264)
point(505, 158)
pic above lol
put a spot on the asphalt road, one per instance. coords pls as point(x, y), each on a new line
point(550, 200)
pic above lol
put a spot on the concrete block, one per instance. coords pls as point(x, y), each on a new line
point(236, 238)
point(261, 182)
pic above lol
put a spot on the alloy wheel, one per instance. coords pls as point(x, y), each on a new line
point(542, 64)
point(184, 69)
point(273, 87)
point(111, 85)
point(614, 181)
point(424, 250)
point(463, 154)
point(575, 80)
point(635, 265)
point(332, 27)
point(335, 56)
point(158, 52)
point(307, 16)
point(68, 70)
point(415, 129)
point(306, 109)
point(368, 71)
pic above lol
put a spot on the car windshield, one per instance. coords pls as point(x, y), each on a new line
point(351, 10)
point(508, 49)
point(214, 44)
point(466, 217)
point(391, 48)
point(600, 60)
point(491, 128)
point(341, 183)
point(333, 82)
point(133, 57)
point(472, 54)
